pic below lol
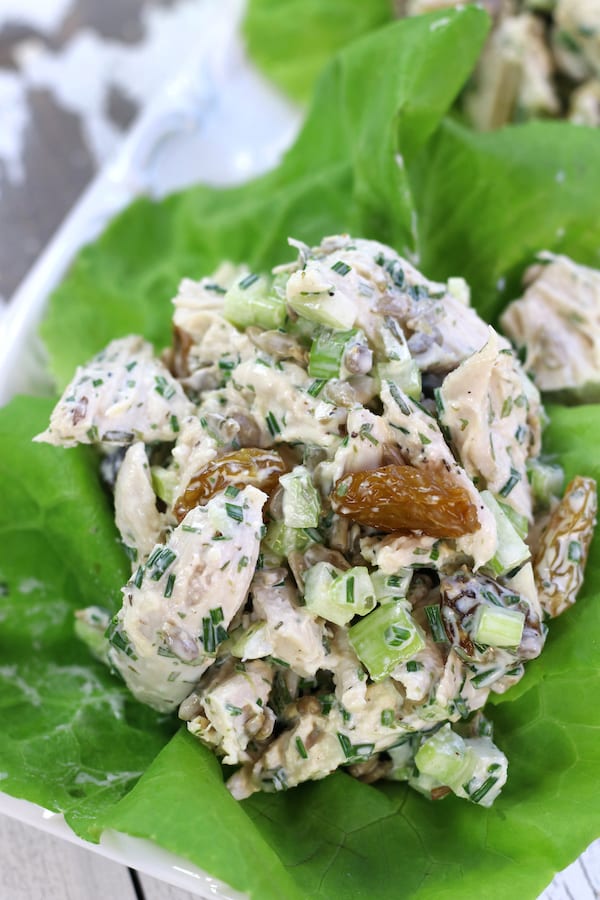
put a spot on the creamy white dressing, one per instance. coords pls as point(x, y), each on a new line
point(220, 616)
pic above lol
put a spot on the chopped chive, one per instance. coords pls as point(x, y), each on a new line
point(574, 551)
point(115, 636)
point(272, 424)
point(483, 679)
point(316, 387)
point(190, 528)
point(514, 479)
point(278, 662)
point(413, 665)
point(163, 387)
point(302, 751)
point(170, 584)
point(424, 439)
point(131, 552)
point(216, 288)
point(92, 433)
point(341, 268)
point(506, 408)
point(387, 717)
point(234, 512)
point(248, 281)
point(242, 563)
point(399, 400)
point(350, 589)
point(365, 434)
point(139, 577)
point(233, 710)
point(314, 534)
point(326, 701)
point(160, 561)
point(174, 423)
point(417, 291)
point(213, 632)
point(231, 490)
point(354, 752)
point(484, 789)
point(346, 745)
point(434, 618)
point(393, 268)
point(131, 365)
point(97, 382)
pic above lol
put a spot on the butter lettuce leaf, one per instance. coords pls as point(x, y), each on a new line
point(72, 738)
point(291, 40)
point(487, 203)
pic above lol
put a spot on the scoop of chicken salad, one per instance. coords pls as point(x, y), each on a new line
point(342, 533)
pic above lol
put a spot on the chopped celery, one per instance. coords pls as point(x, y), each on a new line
point(301, 501)
point(282, 540)
point(164, 483)
point(523, 583)
point(388, 587)
point(385, 638)
point(445, 757)
point(403, 759)
point(498, 627)
point(474, 768)
point(338, 596)
point(488, 777)
point(405, 373)
point(311, 298)
point(251, 301)
point(546, 480)
point(519, 522)
point(326, 353)
point(511, 550)
point(460, 290)
point(251, 643)
point(424, 784)
point(399, 367)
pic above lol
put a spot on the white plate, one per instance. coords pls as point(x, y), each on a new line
point(221, 123)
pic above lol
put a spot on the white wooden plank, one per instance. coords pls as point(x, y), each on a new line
point(157, 890)
point(37, 866)
point(580, 881)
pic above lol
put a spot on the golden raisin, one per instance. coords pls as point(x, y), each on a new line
point(248, 466)
point(560, 558)
point(402, 498)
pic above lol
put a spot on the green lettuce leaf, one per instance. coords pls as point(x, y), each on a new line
point(72, 738)
point(337, 837)
point(487, 203)
point(291, 40)
point(341, 175)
